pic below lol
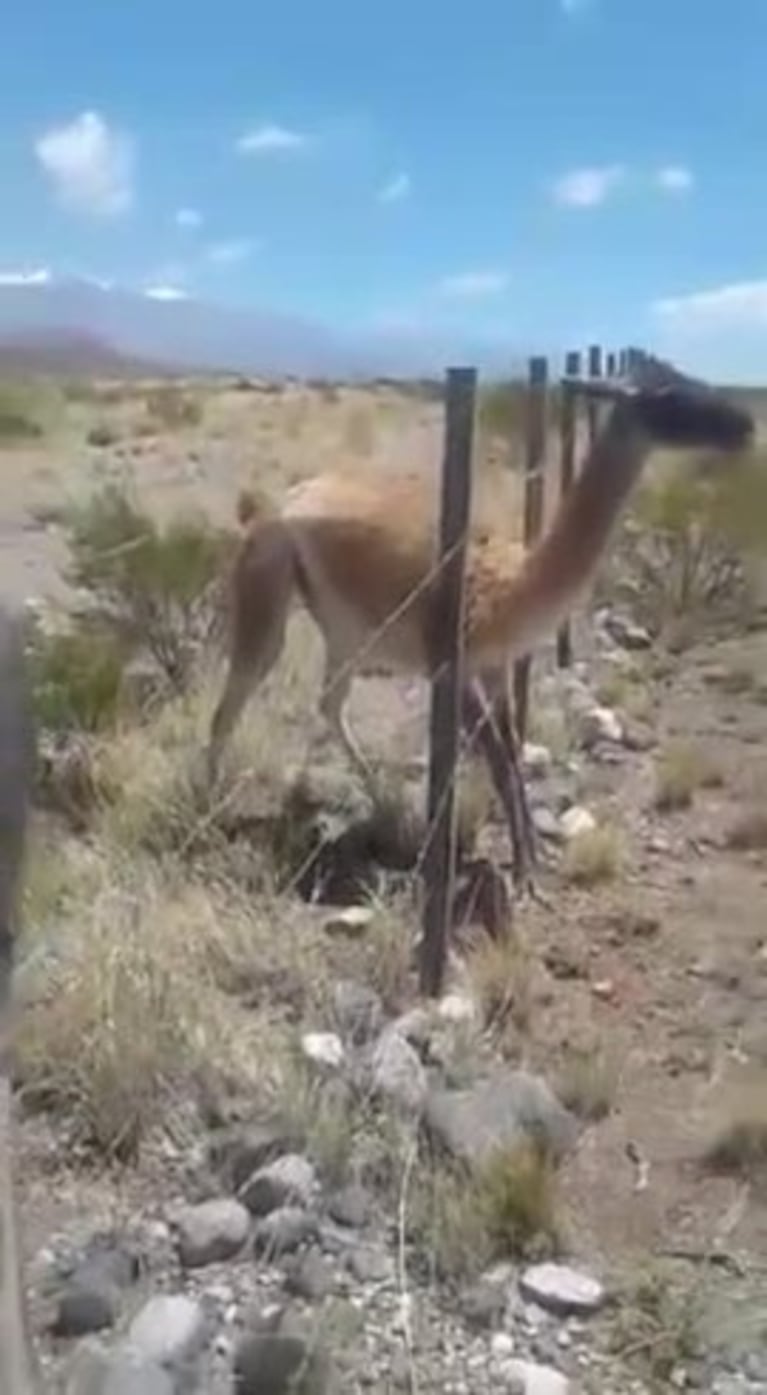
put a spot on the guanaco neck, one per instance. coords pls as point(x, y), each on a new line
point(561, 565)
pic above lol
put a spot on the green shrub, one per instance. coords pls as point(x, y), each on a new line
point(152, 587)
point(75, 678)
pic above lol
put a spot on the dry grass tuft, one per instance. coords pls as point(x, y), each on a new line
point(500, 976)
point(739, 1144)
point(587, 1083)
point(681, 771)
point(593, 857)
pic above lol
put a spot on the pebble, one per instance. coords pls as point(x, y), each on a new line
point(398, 1073)
point(350, 1205)
point(538, 1380)
point(576, 822)
point(323, 1049)
point(288, 1180)
point(352, 921)
point(536, 760)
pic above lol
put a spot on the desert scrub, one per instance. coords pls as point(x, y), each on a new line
point(75, 678)
point(505, 1210)
point(27, 411)
point(593, 857)
point(169, 408)
point(681, 770)
point(153, 587)
point(138, 1012)
point(587, 1082)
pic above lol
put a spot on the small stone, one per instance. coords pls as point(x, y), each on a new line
point(538, 1380)
point(604, 989)
point(352, 921)
point(536, 760)
point(398, 1072)
point(310, 1277)
point(358, 1011)
point(280, 1364)
point(287, 1181)
point(370, 1264)
point(211, 1232)
point(84, 1309)
point(483, 1305)
point(546, 823)
point(501, 1345)
point(575, 822)
point(457, 1008)
point(562, 1290)
point(283, 1230)
point(323, 1048)
point(600, 724)
point(350, 1205)
point(235, 1153)
point(169, 1329)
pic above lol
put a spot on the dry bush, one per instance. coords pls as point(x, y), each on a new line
point(587, 1082)
point(659, 1326)
point(169, 408)
point(500, 977)
point(748, 833)
point(28, 411)
point(593, 857)
point(75, 678)
point(739, 1143)
point(359, 430)
point(687, 545)
point(507, 1209)
point(681, 770)
point(155, 588)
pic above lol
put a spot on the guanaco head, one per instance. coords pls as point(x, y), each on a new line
point(676, 410)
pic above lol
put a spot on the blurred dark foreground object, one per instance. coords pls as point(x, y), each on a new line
point(18, 1373)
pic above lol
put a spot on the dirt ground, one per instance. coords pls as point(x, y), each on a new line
point(663, 971)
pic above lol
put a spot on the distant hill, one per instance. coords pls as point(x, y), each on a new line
point(69, 353)
point(107, 329)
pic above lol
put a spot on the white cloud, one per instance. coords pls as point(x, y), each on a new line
point(739, 304)
point(188, 218)
point(89, 164)
point(237, 249)
point(41, 276)
point(471, 285)
point(162, 292)
point(396, 189)
point(675, 179)
point(587, 187)
point(269, 139)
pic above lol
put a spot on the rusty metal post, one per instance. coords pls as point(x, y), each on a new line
point(447, 675)
point(536, 426)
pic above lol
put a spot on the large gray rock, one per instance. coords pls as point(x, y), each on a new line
point(170, 1329)
point(398, 1073)
point(96, 1371)
point(288, 1181)
point(284, 1230)
point(506, 1110)
point(534, 1379)
point(358, 1011)
point(212, 1232)
point(276, 1364)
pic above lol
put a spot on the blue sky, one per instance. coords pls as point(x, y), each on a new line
point(543, 171)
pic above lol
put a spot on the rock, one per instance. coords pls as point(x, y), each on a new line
point(397, 1072)
point(358, 1011)
point(289, 1180)
point(370, 1264)
point(120, 1372)
point(600, 724)
point(169, 1330)
point(350, 1205)
point(310, 1277)
point(352, 921)
point(575, 822)
point(82, 1308)
point(546, 823)
point(283, 1230)
point(483, 1305)
point(538, 1380)
point(457, 1009)
point(276, 1364)
point(505, 1110)
point(501, 1345)
point(238, 1151)
point(561, 1290)
point(211, 1232)
point(323, 1048)
point(626, 633)
point(536, 760)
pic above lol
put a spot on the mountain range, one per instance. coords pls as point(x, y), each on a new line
point(52, 324)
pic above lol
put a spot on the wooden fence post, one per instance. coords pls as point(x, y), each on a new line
point(447, 674)
point(536, 431)
point(567, 421)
